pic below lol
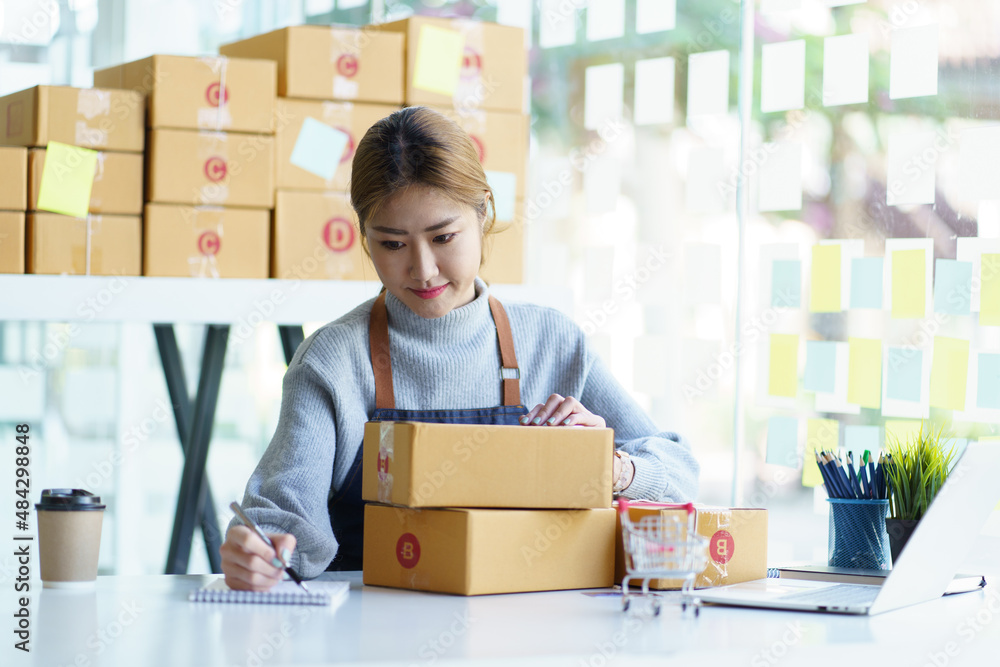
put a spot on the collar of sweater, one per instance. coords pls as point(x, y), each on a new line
point(460, 322)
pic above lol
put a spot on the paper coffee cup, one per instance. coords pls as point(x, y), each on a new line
point(69, 537)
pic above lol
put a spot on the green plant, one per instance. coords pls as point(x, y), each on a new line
point(916, 471)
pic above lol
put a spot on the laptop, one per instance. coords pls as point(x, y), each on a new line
point(934, 553)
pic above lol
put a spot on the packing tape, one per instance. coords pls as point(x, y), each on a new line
point(470, 92)
point(213, 155)
point(90, 245)
point(205, 263)
point(216, 116)
point(92, 102)
point(720, 549)
point(346, 60)
point(386, 439)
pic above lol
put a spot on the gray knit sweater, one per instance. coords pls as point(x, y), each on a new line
point(447, 363)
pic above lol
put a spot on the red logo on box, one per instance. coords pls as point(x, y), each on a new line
point(215, 169)
point(338, 234)
point(15, 119)
point(472, 64)
point(212, 94)
point(722, 546)
point(480, 147)
point(349, 148)
point(408, 550)
point(347, 65)
point(209, 243)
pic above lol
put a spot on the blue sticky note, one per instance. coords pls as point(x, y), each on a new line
point(786, 283)
point(504, 186)
point(860, 438)
point(783, 441)
point(866, 282)
point(904, 376)
point(988, 395)
point(952, 287)
point(821, 365)
point(318, 148)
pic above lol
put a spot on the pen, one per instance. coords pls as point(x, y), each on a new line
point(235, 506)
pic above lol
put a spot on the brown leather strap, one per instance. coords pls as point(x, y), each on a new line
point(509, 372)
point(378, 342)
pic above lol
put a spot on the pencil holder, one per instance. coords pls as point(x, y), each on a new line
point(857, 534)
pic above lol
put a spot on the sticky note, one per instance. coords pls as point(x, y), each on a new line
point(952, 287)
point(605, 19)
point(556, 27)
point(439, 60)
point(504, 186)
point(836, 401)
point(989, 300)
point(783, 378)
point(860, 438)
point(67, 179)
point(783, 76)
point(319, 148)
point(708, 83)
point(912, 164)
point(824, 282)
point(821, 434)
point(783, 442)
point(978, 167)
point(913, 62)
point(786, 283)
point(988, 382)
point(821, 366)
point(866, 282)
point(779, 180)
point(900, 430)
point(655, 16)
point(604, 87)
point(904, 374)
point(706, 169)
point(908, 280)
point(654, 91)
point(845, 70)
point(864, 372)
point(949, 373)
point(702, 273)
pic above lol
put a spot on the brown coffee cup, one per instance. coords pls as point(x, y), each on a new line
point(69, 537)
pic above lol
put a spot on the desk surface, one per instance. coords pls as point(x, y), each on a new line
point(147, 620)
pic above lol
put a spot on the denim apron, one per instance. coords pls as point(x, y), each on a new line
point(347, 509)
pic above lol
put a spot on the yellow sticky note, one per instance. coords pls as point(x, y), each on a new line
point(949, 372)
point(67, 179)
point(989, 309)
point(824, 283)
point(901, 430)
point(820, 434)
point(439, 60)
point(909, 277)
point(784, 373)
point(864, 372)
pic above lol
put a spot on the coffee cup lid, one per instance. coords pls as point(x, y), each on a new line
point(67, 500)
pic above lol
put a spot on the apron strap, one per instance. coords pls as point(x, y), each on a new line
point(509, 372)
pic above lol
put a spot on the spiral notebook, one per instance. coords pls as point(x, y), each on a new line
point(287, 592)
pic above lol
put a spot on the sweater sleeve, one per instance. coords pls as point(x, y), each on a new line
point(288, 491)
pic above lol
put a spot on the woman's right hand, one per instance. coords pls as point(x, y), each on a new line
point(249, 564)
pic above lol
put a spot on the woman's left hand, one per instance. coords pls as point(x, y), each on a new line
point(562, 411)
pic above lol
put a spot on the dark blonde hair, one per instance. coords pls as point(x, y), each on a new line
point(418, 146)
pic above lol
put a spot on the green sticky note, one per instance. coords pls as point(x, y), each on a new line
point(820, 434)
point(784, 373)
point(909, 276)
point(949, 372)
point(901, 430)
point(989, 308)
point(67, 179)
point(864, 372)
point(439, 60)
point(824, 283)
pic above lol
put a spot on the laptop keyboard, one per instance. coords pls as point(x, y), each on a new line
point(839, 595)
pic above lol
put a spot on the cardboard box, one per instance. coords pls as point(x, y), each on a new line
point(737, 543)
point(90, 117)
point(504, 255)
point(226, 169)
point(197, 93)
point(13, 179)
point(316, 238)
point(493, 70)
point(475, 552)
point(184, 242)
point(330, 63)
point(351, 119)
point(117, 182)
point(476, 465)
point(99, 245)
point(11, 242)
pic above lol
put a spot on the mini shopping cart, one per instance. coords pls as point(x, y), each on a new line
point(662, 547)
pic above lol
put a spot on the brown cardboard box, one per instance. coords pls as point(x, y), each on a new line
point(117, 182)
point(504, 255)
point(330, 63)
point(737, 543)
point(90, 117)
point(475, 552)
point(227, 169)
point(186, 92)
point(13, 179)
point(59, 244)
point(315, 238)
point(11, 242)
point(494, 65)
point(351, 119)
point(206, 242)
point(475, 465)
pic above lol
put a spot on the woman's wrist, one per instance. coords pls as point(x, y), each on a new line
point(626, 472)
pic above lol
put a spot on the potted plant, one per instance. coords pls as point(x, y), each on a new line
point(916, 469)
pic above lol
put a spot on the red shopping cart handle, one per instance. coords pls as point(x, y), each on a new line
point(623, 506)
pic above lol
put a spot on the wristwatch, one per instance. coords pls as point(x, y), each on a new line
point(623, 475)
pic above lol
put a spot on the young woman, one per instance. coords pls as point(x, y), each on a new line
point(432, 347)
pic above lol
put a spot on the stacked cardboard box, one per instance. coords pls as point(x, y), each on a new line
point(209, 162)
point(108, 240)
point(13, 203)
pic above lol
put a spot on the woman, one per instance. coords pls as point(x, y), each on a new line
point(427, 349)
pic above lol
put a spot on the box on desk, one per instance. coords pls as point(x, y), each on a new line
point(315, 238)
point(88, 117)
point(98, 245)
point(13, 178)
point(737, 543)
point(481, 551)
point(11, 242)
point(330, 63)
point(476, 465)
point(117, 182)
